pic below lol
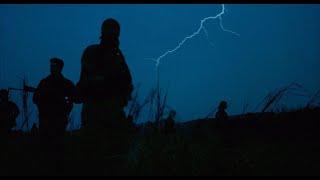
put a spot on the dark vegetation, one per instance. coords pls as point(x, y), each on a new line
point(274, 141)
point(285, 143)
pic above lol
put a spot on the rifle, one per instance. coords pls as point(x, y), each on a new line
point(25, 92)
point(25, 89)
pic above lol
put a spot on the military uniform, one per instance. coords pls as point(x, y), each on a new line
point(54, 98)
point(105, 88)
point(105, 85)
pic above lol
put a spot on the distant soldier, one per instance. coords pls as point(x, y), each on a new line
point(9, 111)
point(222, 115)
point(54, 98)
point(225, 129)
point(169, 124)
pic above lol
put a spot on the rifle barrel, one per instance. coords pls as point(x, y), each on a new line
point(27, 88)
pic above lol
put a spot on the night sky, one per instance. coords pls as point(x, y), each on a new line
point(278, 44)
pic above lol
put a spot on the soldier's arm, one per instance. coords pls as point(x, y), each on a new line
point(37, 93)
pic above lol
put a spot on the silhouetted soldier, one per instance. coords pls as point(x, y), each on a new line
point(222, 115)
point(105, 81)
point(8, 113)
point(54, 98)
point(105, 85)
point(169, 124)
point(224, 127)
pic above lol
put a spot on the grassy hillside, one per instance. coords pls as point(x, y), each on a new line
point(284, 143)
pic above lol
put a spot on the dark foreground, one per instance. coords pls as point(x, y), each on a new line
point(253, 144)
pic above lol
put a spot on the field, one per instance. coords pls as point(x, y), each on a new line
point(285, 143)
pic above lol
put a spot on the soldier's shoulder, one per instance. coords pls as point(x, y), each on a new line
point(68, 82)
point(44, 80)
point(93, 47)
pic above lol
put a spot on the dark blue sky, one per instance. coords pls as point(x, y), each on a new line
point(278, 44)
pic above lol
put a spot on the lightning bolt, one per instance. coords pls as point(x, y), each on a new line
point(201, 27)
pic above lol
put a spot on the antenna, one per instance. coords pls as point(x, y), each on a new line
point(25, 113)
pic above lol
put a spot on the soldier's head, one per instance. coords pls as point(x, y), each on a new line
point(56, 66)
point(110, 28)
point(223, 105)
point(4, 95)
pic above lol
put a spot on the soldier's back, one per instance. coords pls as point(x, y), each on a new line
point(52, 94)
